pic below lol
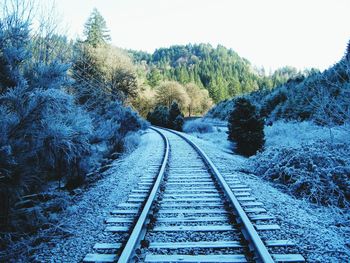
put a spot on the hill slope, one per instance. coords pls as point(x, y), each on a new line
point(220, 70)
point(319, 96)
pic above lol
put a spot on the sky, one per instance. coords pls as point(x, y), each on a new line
point(269, 33)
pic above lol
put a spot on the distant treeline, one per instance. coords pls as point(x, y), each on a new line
point(219, 70)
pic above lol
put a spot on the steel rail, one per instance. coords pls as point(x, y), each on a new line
point(255, 243)
point(139, 229)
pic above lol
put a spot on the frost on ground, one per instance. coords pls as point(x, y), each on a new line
point(84, 219)
point(321, 233)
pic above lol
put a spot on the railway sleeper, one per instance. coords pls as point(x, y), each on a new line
point(287, 258)
point(214, 244)
point(100, 258)
point(199, 228)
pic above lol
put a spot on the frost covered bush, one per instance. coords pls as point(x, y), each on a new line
point(41, 126)
point(319, 172)
point(47, 139)
point(222, 110)
point(131, 141)
point(198, 126)
point(44, 135)
point(114, 122)
point(294, 134)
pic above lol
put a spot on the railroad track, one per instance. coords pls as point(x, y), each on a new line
point(188, 212)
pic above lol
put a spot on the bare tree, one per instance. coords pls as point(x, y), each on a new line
point(17, 11)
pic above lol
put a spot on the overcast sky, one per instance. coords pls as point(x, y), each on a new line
point(269, 33)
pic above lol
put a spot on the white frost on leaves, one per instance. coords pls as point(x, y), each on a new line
point(320, 233)
point(85, 217)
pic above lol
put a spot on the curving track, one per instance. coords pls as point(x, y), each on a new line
point(190, 213)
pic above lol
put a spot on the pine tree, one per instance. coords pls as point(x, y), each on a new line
point(246, 127)
point(176, 118)
point(154, 77)
point(95, 30)
point(159, 116)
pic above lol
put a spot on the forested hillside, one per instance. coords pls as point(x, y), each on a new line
point(318, 96)
point(219, 70)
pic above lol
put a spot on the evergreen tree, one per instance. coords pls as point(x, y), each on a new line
point(176, 118)
point(154, 77)
point(246, 127)
point(159, 116)
point(95, 29)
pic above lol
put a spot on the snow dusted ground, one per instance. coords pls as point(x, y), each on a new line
point(84, 218)
point(321, 233)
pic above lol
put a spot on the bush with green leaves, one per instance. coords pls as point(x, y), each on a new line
point(246, 128)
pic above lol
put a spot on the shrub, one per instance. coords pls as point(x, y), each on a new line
point(159, 116)
point(318, 172)
point(271, 101)
point(131, 141)
point(198, 126)
point(221, 110)
point(178, 123)
point(246, 128)
point(176, 118)
point(113, 122)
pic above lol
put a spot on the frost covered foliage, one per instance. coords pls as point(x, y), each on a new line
point(222, 110)
point(44, 130)
point(321, 97)
point(312, 161)
point(319, 172)
point(198, 126)
point(113, 123)
point(43, 134)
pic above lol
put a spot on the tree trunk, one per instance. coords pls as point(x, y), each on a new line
point(4, 208)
